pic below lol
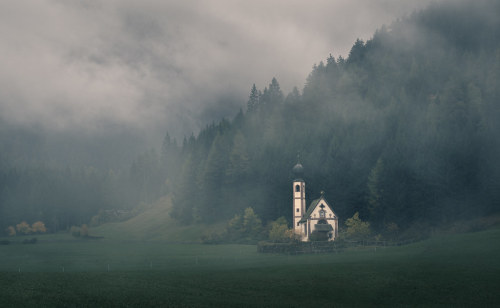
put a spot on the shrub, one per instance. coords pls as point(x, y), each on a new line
point(212, 238)
point(75, 231)
point(244, 229)
point(356, 228)
point(317, 236)
point(23, 228)
point(252, 224)
point(11, 231)
point(280, 233)
point(115, 215)
point(84, 231)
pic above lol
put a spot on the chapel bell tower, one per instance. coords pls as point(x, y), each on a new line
point(299, 197)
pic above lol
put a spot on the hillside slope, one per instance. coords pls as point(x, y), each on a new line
point(155, 224)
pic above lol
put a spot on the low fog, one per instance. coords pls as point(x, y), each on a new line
point(100, 67)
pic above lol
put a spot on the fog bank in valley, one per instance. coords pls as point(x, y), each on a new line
point(97, 67)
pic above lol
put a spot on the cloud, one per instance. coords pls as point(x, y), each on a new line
point(162, 65)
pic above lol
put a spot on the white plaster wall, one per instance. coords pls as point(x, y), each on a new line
point(330, 220)
point(298, 203)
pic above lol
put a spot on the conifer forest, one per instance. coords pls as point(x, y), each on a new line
point(404, 130)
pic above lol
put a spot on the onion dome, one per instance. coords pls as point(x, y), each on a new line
point(298, 171)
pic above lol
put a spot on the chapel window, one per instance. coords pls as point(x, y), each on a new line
point(322, 213)
point(297, 210)
point(297, 188)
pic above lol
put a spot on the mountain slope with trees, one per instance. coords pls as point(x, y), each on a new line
point(403, 131)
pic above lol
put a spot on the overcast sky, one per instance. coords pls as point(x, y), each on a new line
point(158, 65)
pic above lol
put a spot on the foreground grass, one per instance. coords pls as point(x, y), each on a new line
point(459, 270)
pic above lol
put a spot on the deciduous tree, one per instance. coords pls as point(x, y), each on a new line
point(356, 228)
point(38, 227)
point(23, 228)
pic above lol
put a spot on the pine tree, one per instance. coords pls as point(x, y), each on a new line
point(375, 191)
point(185, 197)
point(213, 177)
point(275, 93)
point(253, 100)
point(239, 163)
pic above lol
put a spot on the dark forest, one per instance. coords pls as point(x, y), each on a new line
point(404, 130)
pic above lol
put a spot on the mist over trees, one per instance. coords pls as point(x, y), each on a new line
point(404, 130)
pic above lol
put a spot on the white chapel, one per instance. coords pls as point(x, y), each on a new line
point(319, 217)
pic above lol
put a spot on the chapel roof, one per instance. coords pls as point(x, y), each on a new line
point(298, 171)
point(312, 206)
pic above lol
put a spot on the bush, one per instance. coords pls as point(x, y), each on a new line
point(279, 232)
point(356, 228)
point(75, 231)
point(4, 242)
point(11, 231)
point(116, 215)
point(23, 228)
point(84, 231)
point(246, 229)
point(318, 236)
point(38, 227)
point(212, 238)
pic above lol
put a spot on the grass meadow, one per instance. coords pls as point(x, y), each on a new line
point(461, 270)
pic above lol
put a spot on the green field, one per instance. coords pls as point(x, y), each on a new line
point(456, 270)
